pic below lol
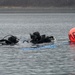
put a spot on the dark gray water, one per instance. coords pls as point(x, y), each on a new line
point(56, 61)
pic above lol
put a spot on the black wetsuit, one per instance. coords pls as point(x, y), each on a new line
point(10, 41)
point(36, 38)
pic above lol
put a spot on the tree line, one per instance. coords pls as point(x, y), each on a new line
point(38, 3)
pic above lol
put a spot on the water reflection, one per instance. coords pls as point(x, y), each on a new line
point(72, 49)
point(72, 45)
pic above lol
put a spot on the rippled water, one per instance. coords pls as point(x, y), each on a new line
point(54, 61)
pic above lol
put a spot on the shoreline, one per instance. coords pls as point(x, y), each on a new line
point(36, 10)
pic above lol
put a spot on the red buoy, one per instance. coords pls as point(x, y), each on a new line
point(71, 35)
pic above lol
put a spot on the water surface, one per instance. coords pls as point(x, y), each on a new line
point(56, 61)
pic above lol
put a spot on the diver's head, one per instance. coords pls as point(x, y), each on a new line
point(13, 39)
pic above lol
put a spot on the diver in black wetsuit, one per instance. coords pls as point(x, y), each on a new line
point(36, 38)
point(10, 41)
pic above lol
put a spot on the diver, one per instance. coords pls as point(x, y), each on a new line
point(11, 40)
point(36, 38)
